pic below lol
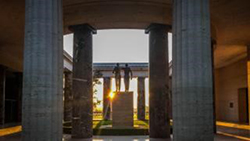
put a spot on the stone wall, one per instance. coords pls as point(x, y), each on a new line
point(227, 82)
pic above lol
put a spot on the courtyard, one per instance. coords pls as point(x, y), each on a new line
point(181, 70)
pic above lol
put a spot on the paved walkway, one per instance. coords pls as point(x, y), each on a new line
point(226, 132)
point(234, 130)
point(17, 137)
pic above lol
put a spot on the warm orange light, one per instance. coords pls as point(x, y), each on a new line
point(112, 95)
point(234, 136)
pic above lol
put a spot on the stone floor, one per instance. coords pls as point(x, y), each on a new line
point(234, 131)
point(226, 132)
point(142, 138)
point(17, 137)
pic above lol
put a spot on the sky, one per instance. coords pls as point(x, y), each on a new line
point(117, 46)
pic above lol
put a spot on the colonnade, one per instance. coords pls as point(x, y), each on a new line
point(192, 74)
point(68, 97)
point(140, 100)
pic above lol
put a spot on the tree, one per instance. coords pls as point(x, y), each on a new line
point(96, 81)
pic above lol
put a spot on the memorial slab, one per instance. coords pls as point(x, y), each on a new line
point(122, 110)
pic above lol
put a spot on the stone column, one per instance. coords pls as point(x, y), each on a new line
point(159, 126)
point(68, 97)
point(170, 108)
point(192, 72)
point(2, 94)
point(106, 99)
point(248, 79)
point(43, 71)
point(141, 98)
point(82, 81)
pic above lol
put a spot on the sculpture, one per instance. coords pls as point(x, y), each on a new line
point(117, 72)
point(127, 75)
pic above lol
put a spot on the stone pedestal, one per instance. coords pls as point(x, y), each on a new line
point(122, 110)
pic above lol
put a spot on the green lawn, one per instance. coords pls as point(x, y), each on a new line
point(137, 124)
point(141, 128)
point(98, 116)
point(98, 123)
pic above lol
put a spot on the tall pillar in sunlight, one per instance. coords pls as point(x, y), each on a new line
point(68, 97)
point(82, 81)
point(248, 80)
point(2, 94)
point(42, 103)
point(106, 100)
point(141, 98)
point(159, 123)
point(192, 72)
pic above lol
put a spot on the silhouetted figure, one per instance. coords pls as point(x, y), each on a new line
point(127, 71)
point(117, 72)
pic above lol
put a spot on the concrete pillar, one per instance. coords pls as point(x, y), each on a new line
point(159, 126)
point(192, 72)
point(2, 94)
point(82, 81)
point(106, 99)
point(170, 108)
point(68, 97)
point(141, 98)
point(248, 80)
point(43, 71)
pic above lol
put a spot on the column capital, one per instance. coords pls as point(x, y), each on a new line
point(157, 26)
point(82, 28)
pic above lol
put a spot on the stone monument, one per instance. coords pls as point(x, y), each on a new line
point(117, 72)
point(122, 110)
point(128, 74)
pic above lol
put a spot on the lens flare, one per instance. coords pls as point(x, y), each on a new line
point(112, 95)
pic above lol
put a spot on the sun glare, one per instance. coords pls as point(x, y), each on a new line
point(112, 95)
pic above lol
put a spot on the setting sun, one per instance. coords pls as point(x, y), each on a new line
point(112, 95)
